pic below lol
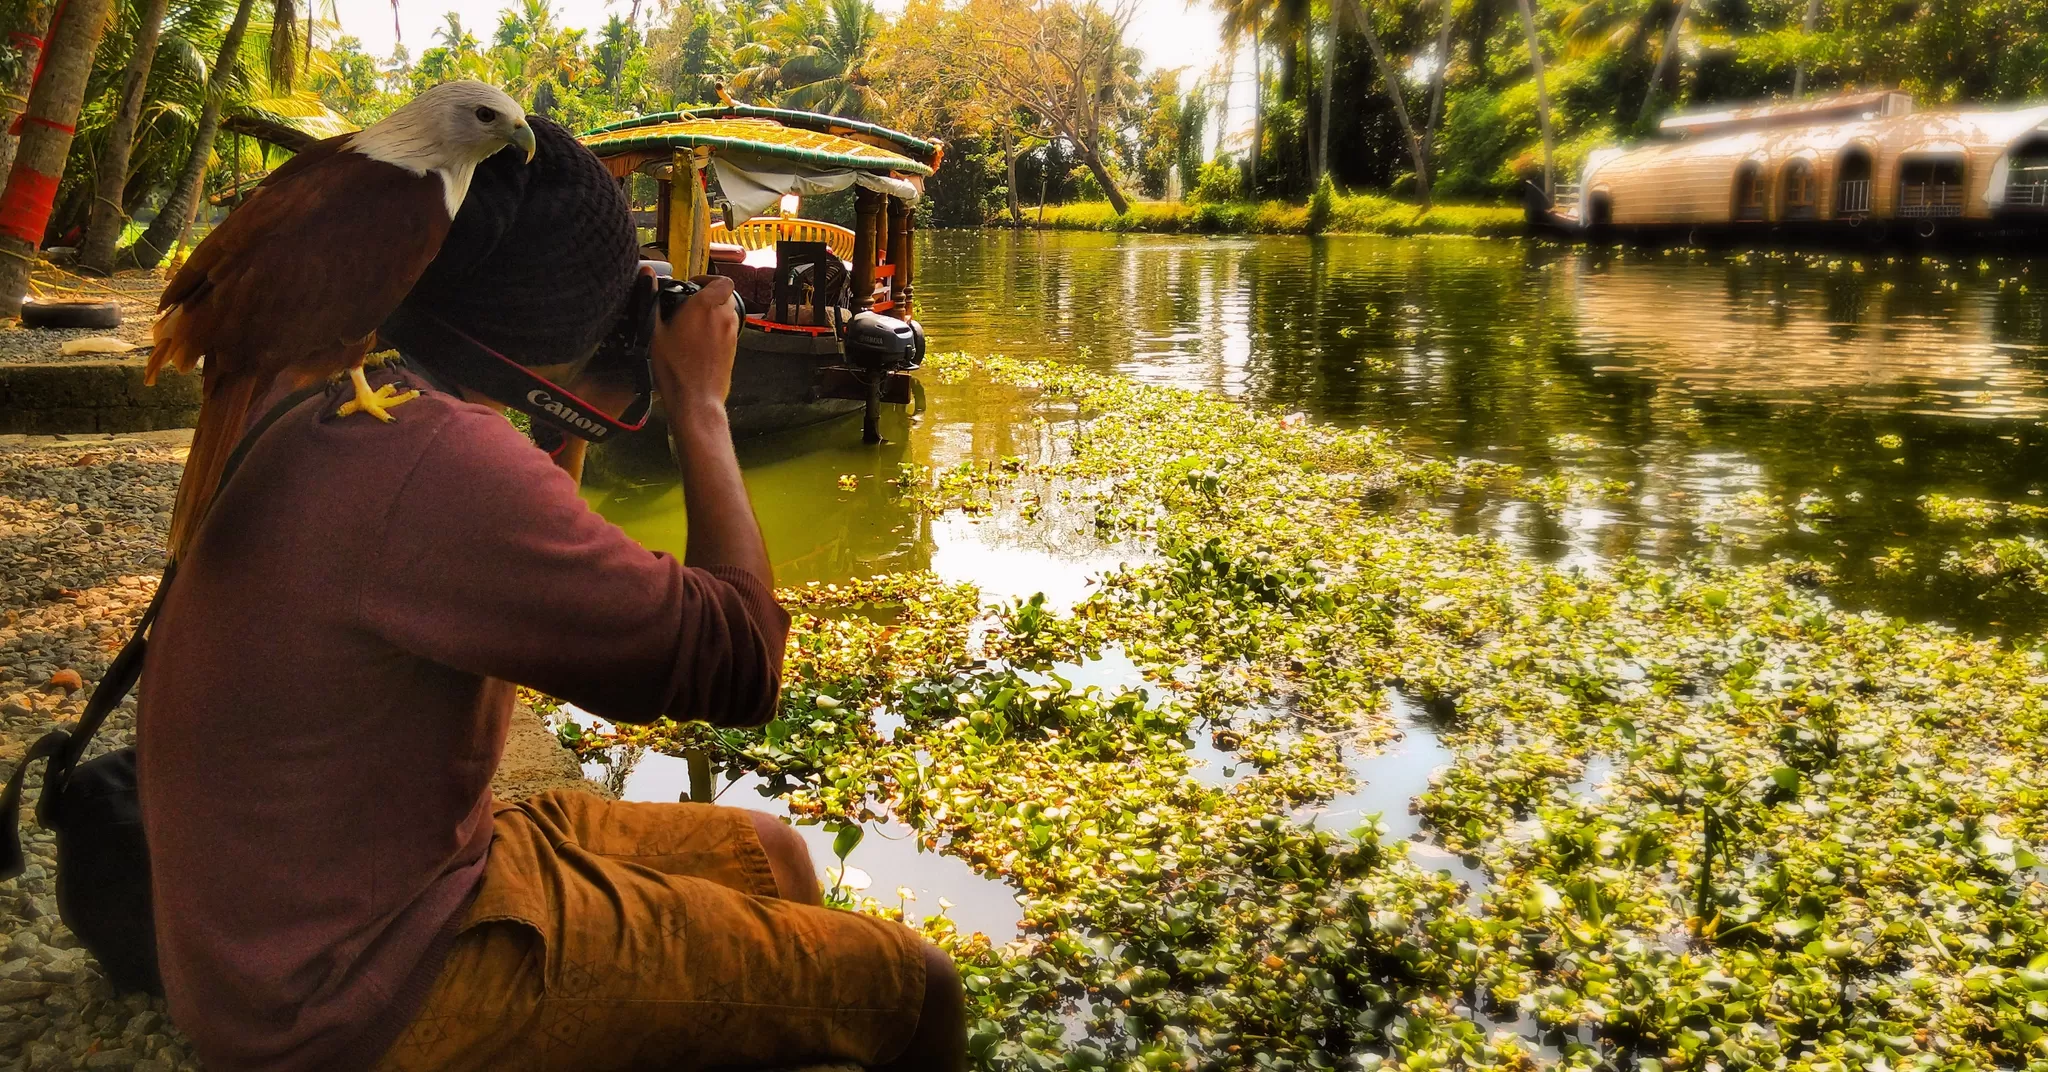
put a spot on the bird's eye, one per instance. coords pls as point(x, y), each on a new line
point(485, 115)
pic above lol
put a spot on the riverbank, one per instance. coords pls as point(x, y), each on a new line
point(1348, 214)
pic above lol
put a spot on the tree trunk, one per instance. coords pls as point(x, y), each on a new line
point(1440, 76)
point(53, 106)
point(1323, 122)
point(96, 253)
point(1805, 28)
point(1392, 78)
point(14, 95)
point(1258, 113)
point(1044, 170)
point(149, 250)
point(1010, 168)
point(1092, 156)
point(1542, 100)
point(1664, 59)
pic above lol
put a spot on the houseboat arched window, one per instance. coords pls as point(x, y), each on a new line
point(1852, 184)
point(1749, 192)
point(2026, 181)
point(1930, 186)
point(1801, 191)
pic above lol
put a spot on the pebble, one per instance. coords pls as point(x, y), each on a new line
point(80, 551)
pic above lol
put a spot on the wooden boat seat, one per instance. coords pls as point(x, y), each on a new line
point(809, 287)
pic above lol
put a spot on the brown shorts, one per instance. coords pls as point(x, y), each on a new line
point(626, 936)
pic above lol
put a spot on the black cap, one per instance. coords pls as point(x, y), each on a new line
point(538, 261)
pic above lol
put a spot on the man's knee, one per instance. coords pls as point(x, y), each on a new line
point(940, 1044)
point(789, 859)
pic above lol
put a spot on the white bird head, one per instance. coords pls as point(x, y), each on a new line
point(452, 126)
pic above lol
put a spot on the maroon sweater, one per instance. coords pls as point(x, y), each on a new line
point(327, 695)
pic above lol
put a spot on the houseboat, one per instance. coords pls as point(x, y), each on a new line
point(1864, 168)
point(830, 327)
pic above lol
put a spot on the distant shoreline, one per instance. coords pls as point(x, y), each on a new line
point(1348, 214)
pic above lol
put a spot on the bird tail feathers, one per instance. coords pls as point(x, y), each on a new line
point(223, 413)
point(174, 345)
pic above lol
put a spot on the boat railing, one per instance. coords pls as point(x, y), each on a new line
point(1930, 199)
point(763, 232)
point(1564, 199)
point(1853, 198)
point(2027, 194)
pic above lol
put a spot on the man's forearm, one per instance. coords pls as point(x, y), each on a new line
point(723, 531)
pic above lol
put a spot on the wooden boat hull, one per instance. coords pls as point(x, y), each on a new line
point(774, 383)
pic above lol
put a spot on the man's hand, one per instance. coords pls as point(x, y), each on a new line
point(692, 355)
point(693, 351)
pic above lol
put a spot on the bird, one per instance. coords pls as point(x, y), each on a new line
point(294, 283)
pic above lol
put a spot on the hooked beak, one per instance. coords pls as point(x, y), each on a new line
point(522, 136)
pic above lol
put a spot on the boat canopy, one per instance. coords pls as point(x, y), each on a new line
point(624, 147)
point(922, 150)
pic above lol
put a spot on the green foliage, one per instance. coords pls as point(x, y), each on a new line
point(1346, 214)
point(1218, 181)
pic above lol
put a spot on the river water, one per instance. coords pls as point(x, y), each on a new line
point(1740, 406)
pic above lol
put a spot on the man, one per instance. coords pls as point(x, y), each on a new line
point(330, 683)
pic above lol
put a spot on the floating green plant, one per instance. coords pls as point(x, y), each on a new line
point(1812, 846)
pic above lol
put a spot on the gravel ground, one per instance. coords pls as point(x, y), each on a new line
point(81, 542)
point(136, 291)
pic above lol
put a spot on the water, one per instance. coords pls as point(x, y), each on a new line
point(1698, 379)
point(1707, 384)
point(889, 853)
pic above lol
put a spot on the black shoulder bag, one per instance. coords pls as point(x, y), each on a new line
point(102, 860)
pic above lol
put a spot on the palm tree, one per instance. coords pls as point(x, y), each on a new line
point(1665, 59)
point(183, 200)
point(53, 107)
point(1542, 100)
point(96, 253)
point(1391, 78)
point(455, 37)
point(823, 68)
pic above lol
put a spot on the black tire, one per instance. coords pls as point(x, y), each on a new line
point(71, 314)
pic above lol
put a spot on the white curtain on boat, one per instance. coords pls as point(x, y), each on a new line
point(753, 184)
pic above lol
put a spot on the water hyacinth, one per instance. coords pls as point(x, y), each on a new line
point(1723, 823)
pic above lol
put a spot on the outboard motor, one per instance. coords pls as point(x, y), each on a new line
point(880, 348)
point(880, 343)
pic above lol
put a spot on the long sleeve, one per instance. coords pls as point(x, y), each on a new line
point(494, 565)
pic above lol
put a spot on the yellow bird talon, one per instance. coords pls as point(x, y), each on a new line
point(375, 403)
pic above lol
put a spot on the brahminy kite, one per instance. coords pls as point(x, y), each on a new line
point(296, 280)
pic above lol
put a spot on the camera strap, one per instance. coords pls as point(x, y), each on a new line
point(478, 367)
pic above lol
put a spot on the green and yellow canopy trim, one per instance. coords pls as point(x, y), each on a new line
point(762, 137)
point(920, 149)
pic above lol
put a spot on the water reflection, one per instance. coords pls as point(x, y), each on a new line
point(1703, 387)
point(889, 853)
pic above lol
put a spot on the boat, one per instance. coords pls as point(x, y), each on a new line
point(830, 327)
point(1861, 168)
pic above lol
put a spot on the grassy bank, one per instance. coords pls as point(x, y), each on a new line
point(1348, 214)
point(1724, 823)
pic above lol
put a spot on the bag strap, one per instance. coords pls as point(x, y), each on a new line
point(64, 748)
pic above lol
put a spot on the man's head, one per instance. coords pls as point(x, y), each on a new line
point(537, 264)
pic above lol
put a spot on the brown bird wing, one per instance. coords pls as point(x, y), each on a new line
point(304, 270)
point(293, 283)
